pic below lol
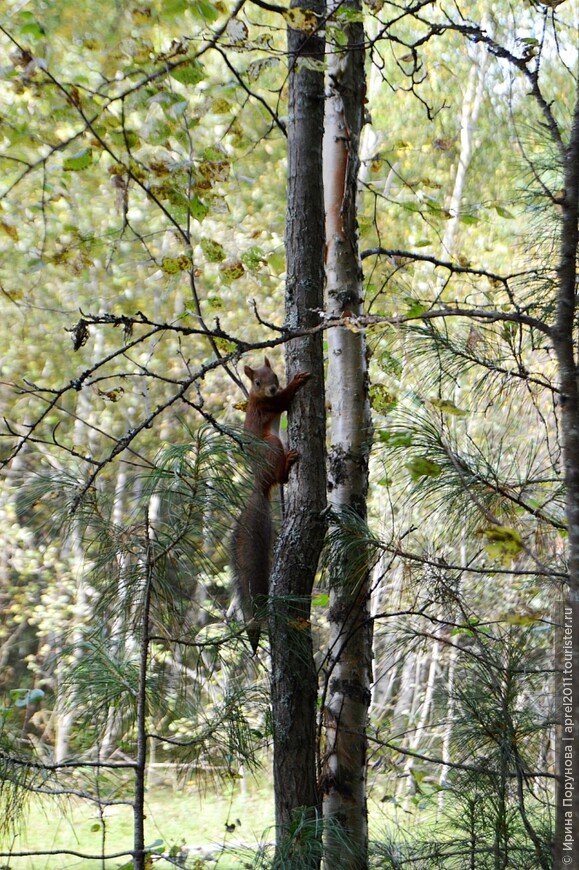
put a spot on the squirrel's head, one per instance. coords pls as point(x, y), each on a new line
point(264, 381)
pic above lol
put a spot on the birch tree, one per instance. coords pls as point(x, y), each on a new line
point(348, 669)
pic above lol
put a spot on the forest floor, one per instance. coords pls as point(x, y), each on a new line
point(219, 826)
point(239, 818)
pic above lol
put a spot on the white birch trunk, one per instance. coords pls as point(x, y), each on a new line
point(471, 105)
point(423, 716)
point(447, 737)
point(349, 660)
point(65, 692)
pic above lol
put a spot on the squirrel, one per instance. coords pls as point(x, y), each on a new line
point(252, 537)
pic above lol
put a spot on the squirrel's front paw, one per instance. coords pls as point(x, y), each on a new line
point(292, 456)
point(301, 377)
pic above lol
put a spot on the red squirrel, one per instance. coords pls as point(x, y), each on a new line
point(252, 538)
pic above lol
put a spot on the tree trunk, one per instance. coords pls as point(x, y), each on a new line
point(140, 861)
point(471, 104)
point(566, 852)
point(349, 669)
point(294, 679)
point(422, 717)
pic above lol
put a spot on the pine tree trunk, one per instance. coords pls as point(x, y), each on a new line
point(140, 861)
point(349, 670)
point(294, 679)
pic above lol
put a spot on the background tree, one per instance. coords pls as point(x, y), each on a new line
point(143, 156)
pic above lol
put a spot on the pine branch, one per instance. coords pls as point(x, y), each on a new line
point(445, 264)
point(455, 765)
point(442, 565)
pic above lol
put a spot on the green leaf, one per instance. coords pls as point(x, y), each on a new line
point(321, 600)
point(437, 210)
point(81, 160)
point(173, 265)
point(214, 252)
point(220, 106)
point(190, 73)
point(204, 9)
point(125, 138)
point(381, 399)
point(174, 7)
point(33, 29)
point(158, 844)
point(421, 466)
point(347, 15)
point(445, 406)
point(395, 439)
point(198, 208)
point(415, 308)
point(96, 827)
point(390, 364)
point(504, 212)
point(253, 258)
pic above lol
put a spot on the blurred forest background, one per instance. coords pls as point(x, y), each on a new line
point(143, 162)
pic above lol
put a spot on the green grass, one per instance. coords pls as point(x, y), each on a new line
point(174, 816)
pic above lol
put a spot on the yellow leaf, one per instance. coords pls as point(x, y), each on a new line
point(301, 19)
point(111, 395)
point(301, 624)
point(502, 543)
point(9, 230)
point(350, 324)
point(232, 269)
point(173, 265)
point(445, 406)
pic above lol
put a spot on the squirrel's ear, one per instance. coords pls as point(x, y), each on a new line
point(266, 362)
point(249, 372)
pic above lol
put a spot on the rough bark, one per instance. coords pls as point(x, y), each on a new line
point(140, 861)
point(349, 668)
point(293, 678)
point(566, 845)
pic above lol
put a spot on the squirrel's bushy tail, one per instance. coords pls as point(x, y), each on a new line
point(251, 560)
